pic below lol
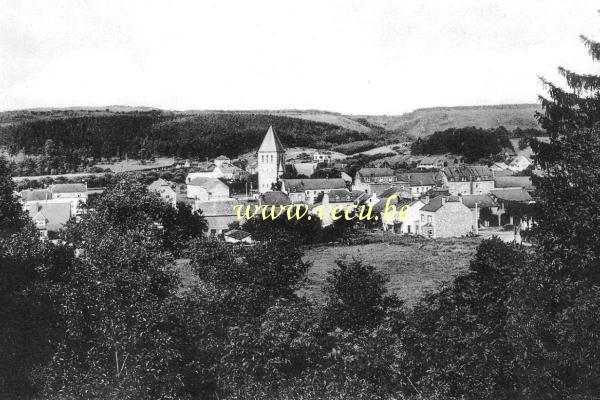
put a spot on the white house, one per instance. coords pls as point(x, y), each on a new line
point(322, 157)
point(165, 190)
point(519, 163)
point(402, 216)
point(222, 160)
point(49, 217)
point(207, 189)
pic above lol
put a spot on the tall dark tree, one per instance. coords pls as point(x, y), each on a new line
point(555, 306)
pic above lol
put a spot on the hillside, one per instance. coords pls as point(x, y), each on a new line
point(118, 130)
point(425, 121)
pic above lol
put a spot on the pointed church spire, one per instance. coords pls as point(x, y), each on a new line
point(271, 142)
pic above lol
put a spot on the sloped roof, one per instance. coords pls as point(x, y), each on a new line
point(376, 172)
point(230, 168)
point(514, 182)
point(300, 185)
point(237, 234)
point(430, 160)
point(275, 198)
point(218, 208)
point(395, 201)
point(271, 142)
point(340, 196)
point(379, 188)
point(482, 200)
point(55, 214)
point(520, 158)
point(468, 172)
point(419, 178)
point(436, 203)
point(208, 183)
point(36, 194)
point(68, 188)
point(500, 165)
point(305, 168)
point(157, 184)
point(222, 158)
point(520, 195)
point(391, 191)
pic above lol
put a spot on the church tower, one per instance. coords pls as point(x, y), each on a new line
point(271, 161)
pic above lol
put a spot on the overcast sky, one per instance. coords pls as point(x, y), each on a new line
point(378, 57)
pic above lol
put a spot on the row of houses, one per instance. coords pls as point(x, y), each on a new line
point(450, 202)
point(52, 207)
point(453, 201)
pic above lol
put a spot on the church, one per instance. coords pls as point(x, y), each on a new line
point(271, 161)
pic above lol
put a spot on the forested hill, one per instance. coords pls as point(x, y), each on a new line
point(209, 134)
point(114, 131)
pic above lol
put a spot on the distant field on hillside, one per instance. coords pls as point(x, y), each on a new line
point(424, 122)
point(415, 266)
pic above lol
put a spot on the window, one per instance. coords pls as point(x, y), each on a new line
point(429, 218)
point(422, 217)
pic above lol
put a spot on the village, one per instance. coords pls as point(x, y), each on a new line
point(442, 201)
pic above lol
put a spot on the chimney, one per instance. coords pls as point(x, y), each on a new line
point(426, 200)
point(443, 200)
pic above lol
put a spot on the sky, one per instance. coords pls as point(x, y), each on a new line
point(349, 56)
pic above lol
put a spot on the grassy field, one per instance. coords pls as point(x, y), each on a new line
point(414, 266)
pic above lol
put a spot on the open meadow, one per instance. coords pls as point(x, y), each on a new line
point(415, 266)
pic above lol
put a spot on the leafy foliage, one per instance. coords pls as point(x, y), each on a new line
point(472, 143)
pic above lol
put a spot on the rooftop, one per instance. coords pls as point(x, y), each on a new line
point(237, 234)
point(300, 185)
point(468, 172)
point(69, 188)
point(271, 142)
point(438, 202)
point(514, 182)
point(376, 172)
point(512, 194)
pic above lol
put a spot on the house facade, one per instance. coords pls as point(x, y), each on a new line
point(165, 190)
point(467, 179)
point(207, 189)
point(49, 218)
point(445, 216)
point(406, 221)
point(307, 190)
point(420, 183)
point(324, 157)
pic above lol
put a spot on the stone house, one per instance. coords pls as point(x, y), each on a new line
point(420, 183)
point(307, 190)
point(366, 177)
point(445, 216)
point(467, 179)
